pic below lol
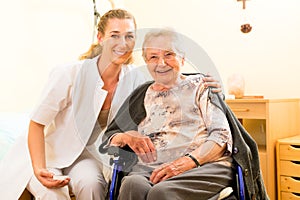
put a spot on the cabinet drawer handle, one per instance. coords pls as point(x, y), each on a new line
point(240, 109)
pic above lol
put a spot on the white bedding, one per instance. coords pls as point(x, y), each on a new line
point(11, 126)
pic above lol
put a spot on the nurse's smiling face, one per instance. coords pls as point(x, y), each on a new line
point(163, 61)
point(118, 41)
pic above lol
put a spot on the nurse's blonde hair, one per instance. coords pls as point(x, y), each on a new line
point(96, 48)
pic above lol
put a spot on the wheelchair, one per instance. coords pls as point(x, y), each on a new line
point(122, 162)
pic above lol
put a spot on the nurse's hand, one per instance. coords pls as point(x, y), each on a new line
point(46, 178)
point(215, 85)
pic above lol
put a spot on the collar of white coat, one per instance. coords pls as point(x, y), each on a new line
point(100, 83)
point(100, 94)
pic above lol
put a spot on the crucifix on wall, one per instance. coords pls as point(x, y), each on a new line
point(244, 3)
point(245, 28)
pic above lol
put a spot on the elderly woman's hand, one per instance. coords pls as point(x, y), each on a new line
point(169, 170)
point(140, 144)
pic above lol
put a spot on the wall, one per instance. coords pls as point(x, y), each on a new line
point(267, 57)
point(37, 35)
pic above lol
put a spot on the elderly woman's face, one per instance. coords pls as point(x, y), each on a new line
point(162, 60)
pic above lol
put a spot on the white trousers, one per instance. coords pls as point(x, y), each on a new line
point(87, 181)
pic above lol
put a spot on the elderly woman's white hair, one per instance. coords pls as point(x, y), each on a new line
point(164, 32)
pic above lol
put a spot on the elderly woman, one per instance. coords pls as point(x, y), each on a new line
point(182, 139)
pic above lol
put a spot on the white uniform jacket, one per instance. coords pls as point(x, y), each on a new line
point(69, 108)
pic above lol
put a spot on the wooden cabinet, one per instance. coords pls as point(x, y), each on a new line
point(288, 168)
point(268, 120)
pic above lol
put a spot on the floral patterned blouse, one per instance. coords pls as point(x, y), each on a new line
point(182, 118)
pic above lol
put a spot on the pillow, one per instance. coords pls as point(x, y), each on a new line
point(11, 126)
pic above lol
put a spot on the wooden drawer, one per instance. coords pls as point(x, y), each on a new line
point(289, 152)
point(290, 168)
point(290, 184)
point(290, 196)
point(248, 110)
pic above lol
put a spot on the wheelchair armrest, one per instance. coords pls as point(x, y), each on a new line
point(126, 157)
point(113, 150)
